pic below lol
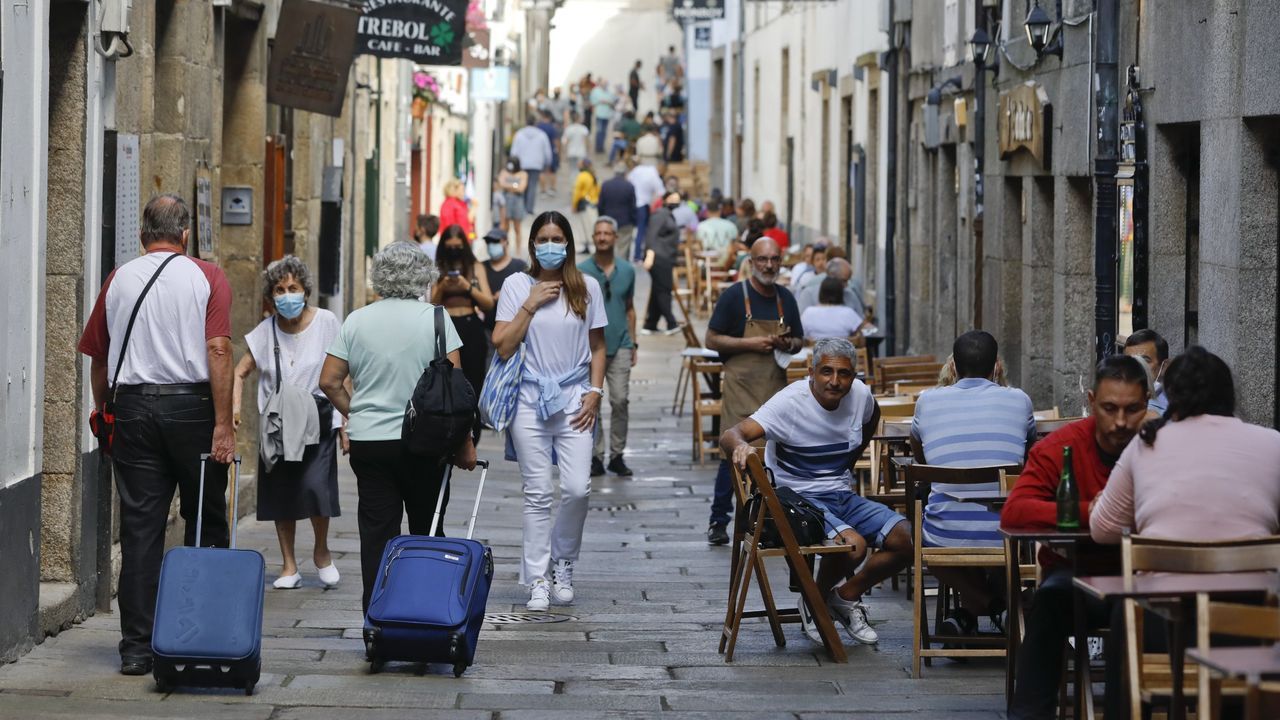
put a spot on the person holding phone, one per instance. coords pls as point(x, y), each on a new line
point(464, 293)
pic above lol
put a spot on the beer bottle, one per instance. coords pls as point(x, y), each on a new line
point(1068, 495)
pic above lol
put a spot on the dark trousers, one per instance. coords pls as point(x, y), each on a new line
point(660, 290)
point(722, 500)
point(642, 226)
point(531, 190)
point(390, 483)
point(602, 131)
point(157, 447)
point(1049, 624)
point(475, 356)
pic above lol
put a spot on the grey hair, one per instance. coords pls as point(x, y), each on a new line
point(835, 347)
point(839, 266)
point(280, 269)
point(165, 218)
point(402, 270)
point(605, 219)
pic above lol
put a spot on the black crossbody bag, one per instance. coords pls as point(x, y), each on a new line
point(808, 523)
point(103, 424)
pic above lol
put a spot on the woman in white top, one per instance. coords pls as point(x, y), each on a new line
point(293, 491)
point(830, 317)
point(558, 314)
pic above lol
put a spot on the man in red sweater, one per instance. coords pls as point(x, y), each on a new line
point(1117, 408)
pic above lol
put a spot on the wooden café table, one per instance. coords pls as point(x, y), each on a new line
point(1182, 589)
point(1066, 540)
point(1254, 665)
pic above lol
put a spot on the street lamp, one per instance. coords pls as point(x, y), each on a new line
point(1038, 27)
point(980, 46)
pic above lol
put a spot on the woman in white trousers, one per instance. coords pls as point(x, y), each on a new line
point(558, 314)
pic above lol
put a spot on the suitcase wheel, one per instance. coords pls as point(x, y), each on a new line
point(248, 689)
point(458, 669)
point(420, 669)
point(376, 666)
point(163, 686)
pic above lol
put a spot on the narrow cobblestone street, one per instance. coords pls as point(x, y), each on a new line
point(640, 640)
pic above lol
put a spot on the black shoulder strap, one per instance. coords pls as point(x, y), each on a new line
point(128, 330)
point(275, 342)
point(440, 345)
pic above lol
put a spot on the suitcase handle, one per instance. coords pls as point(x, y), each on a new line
point(475, 507)
point(235, 483)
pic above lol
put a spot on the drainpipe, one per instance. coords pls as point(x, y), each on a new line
point(890, 63)
point(1106, 102)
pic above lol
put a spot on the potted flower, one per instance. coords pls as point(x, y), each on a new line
point(425, 91)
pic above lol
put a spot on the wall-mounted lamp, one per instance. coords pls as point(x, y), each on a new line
point(1039, 27)
point(980, 50)
point(935, 94)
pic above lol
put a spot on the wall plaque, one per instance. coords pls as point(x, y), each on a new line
point(314, 45)
point(1024, 121)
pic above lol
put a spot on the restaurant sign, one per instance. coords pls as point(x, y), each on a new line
point(1024, 121)
point(428, 32)
point(698, 9)
point(314, 45)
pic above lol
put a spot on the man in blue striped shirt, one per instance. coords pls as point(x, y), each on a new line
point(973, 423)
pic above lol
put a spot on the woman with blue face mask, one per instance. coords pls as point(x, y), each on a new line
point(293, 491)
point(558, 314)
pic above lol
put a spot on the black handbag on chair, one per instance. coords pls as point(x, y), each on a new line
point(808, 523)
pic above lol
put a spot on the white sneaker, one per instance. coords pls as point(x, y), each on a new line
point(853, 616)
point(562, 581)
point(807, 624)
point(539, 596)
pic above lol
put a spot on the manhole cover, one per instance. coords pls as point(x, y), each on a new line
point(614, 508)
point(514, 618)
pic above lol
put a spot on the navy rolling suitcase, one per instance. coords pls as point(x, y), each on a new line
point(208, 626)
point(430, 598)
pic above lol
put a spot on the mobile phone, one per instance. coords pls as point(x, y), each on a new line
point(454, 273)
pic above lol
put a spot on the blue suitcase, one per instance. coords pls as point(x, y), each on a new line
point(208, 624)
point(431, 594)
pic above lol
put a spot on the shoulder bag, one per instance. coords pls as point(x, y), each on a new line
point(442, 409)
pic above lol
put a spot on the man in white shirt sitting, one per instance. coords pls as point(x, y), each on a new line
point(816, 429)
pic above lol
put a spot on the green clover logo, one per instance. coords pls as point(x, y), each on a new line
point(442, 34)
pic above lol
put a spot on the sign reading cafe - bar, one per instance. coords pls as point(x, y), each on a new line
point(429, 32)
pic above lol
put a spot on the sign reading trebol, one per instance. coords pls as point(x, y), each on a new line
point(429, 32)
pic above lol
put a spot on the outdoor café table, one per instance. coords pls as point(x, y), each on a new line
point(1182, 588)
point(1067, 540)
point(992, 500)
point(1251, 664)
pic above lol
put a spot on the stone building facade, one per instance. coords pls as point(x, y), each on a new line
point(1064, 264)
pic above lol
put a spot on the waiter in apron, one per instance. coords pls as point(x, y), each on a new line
point(752, 320)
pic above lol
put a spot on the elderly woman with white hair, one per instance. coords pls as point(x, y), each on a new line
point(293, 491)
point(383, 348)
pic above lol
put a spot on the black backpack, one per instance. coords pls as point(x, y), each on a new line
point(442, 410)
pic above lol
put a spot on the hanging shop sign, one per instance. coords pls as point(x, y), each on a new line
point(491, 83)
point(429, 32)
point(476, 54)
point(312, 54)
point(698, 9)
point(1024, 121)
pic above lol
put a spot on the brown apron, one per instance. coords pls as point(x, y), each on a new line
point(751, 378)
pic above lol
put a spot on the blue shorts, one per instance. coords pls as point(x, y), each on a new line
point(842, 508)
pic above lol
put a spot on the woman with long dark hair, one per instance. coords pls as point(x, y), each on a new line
point(1198, 473)
point(558, 314)
point(463, 290)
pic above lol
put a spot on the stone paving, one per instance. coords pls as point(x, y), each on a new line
point(639, 642)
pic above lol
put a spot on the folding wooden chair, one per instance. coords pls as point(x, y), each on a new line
point(691, 342)
point(749, 557)
point(1245, 621)
point(920, 479)
point(706, 405)
point(1149, 676)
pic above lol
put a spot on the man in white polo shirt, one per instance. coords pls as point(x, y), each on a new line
point(170, 389)
point(816, 429)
